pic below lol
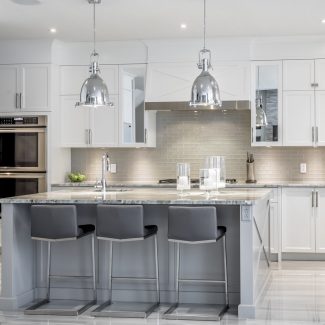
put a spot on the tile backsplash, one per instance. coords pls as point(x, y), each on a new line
point(190, 137)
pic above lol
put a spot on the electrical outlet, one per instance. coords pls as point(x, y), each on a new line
point(113, 168)
point(303, 168)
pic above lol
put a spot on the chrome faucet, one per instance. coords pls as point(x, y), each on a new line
point(106, 167)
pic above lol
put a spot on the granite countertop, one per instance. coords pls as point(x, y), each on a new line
point(143, 196)
point(240, 184)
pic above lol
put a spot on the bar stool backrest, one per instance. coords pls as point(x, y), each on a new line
point(54, 222)
point(192, 224)
point(120, 222)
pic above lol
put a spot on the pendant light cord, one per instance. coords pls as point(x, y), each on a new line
point(94, 26)
point(204, 24)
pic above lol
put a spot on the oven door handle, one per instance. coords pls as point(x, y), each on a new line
point(22, 130)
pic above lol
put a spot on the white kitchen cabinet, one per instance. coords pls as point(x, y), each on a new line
point(266, 86)
point(298, 118)
point(172, 82)
point(275, 212)
point(320, 118)
point(85, 127)
point(320, 219)
point(72, 78)
point(298, 75)
point(9, 86)
point(25, 87)
point(298, 222)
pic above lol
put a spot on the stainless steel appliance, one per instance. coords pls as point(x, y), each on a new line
point(13, 184)
point(23, 144)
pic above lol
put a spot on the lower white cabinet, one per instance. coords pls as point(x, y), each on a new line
point(303, 220)
point(85, 127)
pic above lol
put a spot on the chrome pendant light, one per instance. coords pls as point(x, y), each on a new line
point(205, 89)
point(94, 92)
point(261, 119)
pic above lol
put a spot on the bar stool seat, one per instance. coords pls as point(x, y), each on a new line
point(196, 225)
point(124, 223)
point(59, 223)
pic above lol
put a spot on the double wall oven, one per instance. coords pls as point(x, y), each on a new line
point(22, 155)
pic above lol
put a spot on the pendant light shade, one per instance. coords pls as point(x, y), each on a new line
point(261, 119)
point(205, 89)
point(94, 92)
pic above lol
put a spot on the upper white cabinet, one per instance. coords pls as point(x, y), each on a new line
point(84, 127)
point(303, 102)
point(172, 82)
point(298, 118)
point(266, 96)
point(298, 75)
point(72, 78)
point(25, 87)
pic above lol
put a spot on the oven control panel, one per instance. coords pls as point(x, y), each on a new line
point(22, 120)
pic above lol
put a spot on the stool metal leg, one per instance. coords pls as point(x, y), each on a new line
point(93, 265)
point(225, 269)
point(177, 271)
point(157, 269)
point(48, 270)
point(110, 272)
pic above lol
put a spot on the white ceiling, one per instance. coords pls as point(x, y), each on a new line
point(153, 19)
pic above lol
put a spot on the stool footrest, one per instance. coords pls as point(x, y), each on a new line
point(202, 281)
point(133, 278)
point(59, 307)
point(125, 309)
point(198, 312)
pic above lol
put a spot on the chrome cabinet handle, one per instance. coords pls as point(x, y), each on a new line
point(252, 135)
point(316, 134)
point(312, 199)
point(87, 136)
point(20, 100)
point(314, 84)
point(90, 136)
point(313, 134)
point(17, 99)
point(316, 199)
point(145, 135)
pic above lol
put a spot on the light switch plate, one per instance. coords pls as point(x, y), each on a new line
point(113, 168)
point(303, 168)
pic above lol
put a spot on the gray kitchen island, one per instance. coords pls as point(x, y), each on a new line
point(245, 213)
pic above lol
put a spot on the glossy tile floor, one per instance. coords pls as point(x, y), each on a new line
point(294, 295)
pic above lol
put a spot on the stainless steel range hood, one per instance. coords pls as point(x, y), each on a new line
point(184, 106)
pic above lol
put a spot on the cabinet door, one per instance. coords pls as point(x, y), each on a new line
point(74, 123)
point(104, 125)
point(298, 118)
point(35, 87)
point(274, 246)
point(266, 99)
point(320, 117)
point(72, 78)
point(298, 74)
point(298, 223)
point(9, 88)
point(320, 74)
point(320, 220)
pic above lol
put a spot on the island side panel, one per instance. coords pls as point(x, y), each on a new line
point(254, 270)
point(17, 257)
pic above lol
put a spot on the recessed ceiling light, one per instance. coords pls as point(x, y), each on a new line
point(183, 26)
point(52, 30)
point(323, 21)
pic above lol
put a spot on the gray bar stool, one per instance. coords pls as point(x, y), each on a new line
point(195, 225)
point(124, 223)
point(54, 223)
